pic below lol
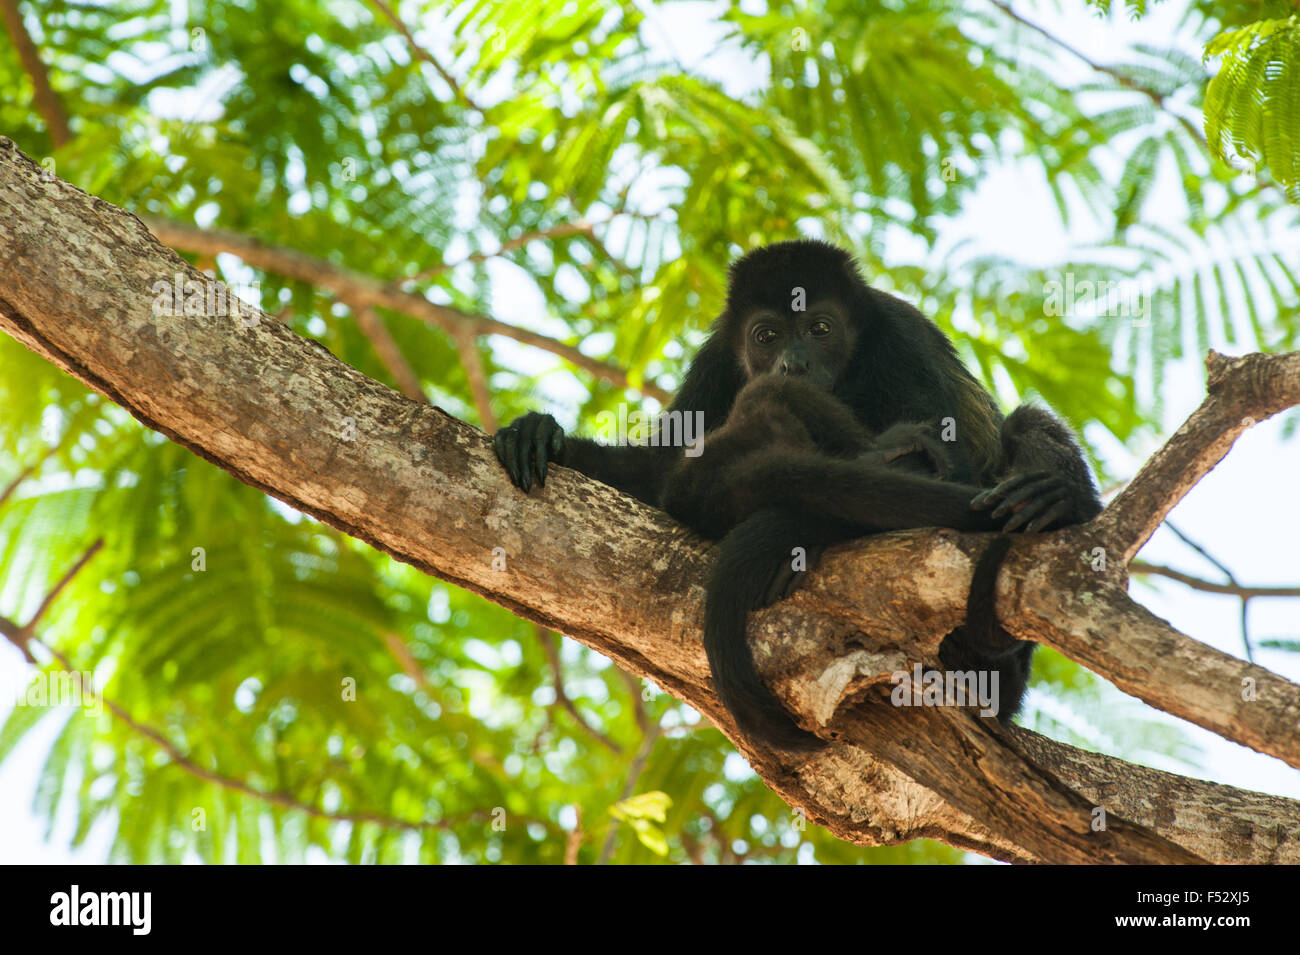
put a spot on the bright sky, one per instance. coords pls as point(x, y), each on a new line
point(1246, 512)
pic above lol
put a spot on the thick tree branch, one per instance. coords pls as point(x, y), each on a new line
point(1099, 626)
point(77, 280)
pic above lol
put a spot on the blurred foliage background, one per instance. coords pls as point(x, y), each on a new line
point(554, 165)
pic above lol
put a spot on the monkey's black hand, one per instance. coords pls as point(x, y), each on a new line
point(526, 446)
point(1034, 501)
point(904, 440)
point(786, 580)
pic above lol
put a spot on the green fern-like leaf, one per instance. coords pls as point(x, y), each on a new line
point(1250, 106)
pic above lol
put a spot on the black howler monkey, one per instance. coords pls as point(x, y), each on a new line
point(822, 399)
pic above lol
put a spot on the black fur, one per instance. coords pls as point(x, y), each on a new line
point(822, 425)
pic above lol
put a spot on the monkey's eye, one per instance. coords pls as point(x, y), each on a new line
point(820, 328)
point(765, 336)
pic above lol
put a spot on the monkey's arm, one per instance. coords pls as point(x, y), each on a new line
point(530, 443)
point(864, 497)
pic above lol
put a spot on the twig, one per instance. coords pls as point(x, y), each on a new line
point(22, 476)
point(90, 552)
point(389, 353)
point(422, 54)
point(1116, 74)
point(1241, 393)
point(574, 842)
point(472, 363)
point(635, 687)
point(1245, 599)
point(633, 774)
point(207, 775)
point(1209, 586)
point(563, 230)
point(551, 649)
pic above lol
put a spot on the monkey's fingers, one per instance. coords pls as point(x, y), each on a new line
point(785, 582)
point(525, 446)
point(1057, 512)
point(935, 456)
point(505, 443)
point(1043, 488)
point(896, 452)
point(527, 451)
point(874, 458)
point(542, 443)
point(1036, 509)
point(1000, 492)
point(548, 440)
point(938, 455)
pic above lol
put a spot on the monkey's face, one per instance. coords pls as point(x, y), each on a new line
point(815, 343)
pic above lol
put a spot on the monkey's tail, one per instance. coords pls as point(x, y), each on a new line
point(981, 614)
point(982, 643)
point(750, 557)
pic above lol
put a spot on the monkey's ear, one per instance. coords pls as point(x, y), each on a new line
point(851, 270)
point(714, 377)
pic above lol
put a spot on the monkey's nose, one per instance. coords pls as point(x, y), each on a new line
point(794, 367)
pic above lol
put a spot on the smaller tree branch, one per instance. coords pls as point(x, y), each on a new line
point(1095, 623)
point(372, 326)
point(48, 103)
point(1242, 392)
point(361, 290)
point(472, 363)
point(550, 646)
point(1209, 586)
